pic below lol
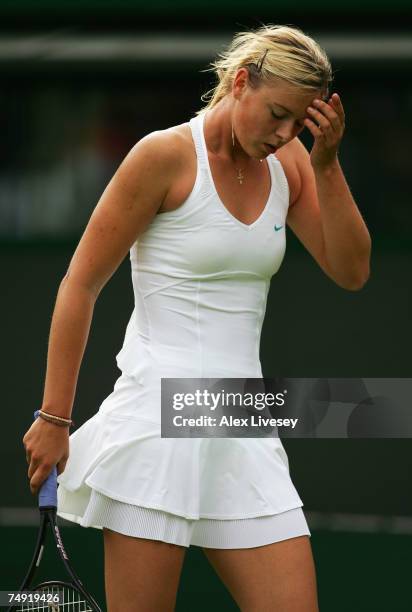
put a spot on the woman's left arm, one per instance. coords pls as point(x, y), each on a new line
point(325, 200)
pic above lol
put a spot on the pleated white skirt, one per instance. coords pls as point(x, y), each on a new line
point(123, 456)
point(150, 523)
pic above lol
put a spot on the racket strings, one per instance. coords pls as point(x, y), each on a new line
point(70, 600)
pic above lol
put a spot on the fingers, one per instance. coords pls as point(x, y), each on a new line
point(325, 116)
point(44, 448)
point(61, 466)
point(38, 471)
point(338, 106)
point(326, 124)
point(33, 465)
point(315, 130)
point(38, 476)
point(35, 483)
point(329, 115)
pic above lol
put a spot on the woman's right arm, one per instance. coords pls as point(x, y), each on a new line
point(125, 209)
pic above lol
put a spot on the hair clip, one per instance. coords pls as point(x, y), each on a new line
point(260, 64)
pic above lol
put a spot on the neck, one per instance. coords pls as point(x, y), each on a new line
point(218, 134)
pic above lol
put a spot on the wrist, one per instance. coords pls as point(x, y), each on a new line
point(55, 411)
point(55, 419)
point(50, 426)
point(327, 168)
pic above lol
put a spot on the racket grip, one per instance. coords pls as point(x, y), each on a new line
point(48, 490)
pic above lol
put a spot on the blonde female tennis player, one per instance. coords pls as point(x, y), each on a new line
point(202, 208)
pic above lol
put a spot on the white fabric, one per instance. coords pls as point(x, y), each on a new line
point(152, 524)
point(200, 280)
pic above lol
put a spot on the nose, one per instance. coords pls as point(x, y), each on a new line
point(287, 131)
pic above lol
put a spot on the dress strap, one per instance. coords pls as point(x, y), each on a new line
point(196, 125)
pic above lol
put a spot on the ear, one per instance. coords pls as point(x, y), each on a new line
point(240, 82)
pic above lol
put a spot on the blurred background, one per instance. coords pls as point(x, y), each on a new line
point(81, 83)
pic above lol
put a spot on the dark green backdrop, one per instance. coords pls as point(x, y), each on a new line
point(312, 329)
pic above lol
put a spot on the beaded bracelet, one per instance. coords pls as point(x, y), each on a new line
point(52, 418)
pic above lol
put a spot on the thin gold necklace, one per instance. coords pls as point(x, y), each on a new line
point(240, 176)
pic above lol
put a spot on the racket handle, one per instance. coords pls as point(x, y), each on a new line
point(48, 490)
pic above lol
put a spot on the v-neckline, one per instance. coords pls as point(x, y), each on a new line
point(247, 226)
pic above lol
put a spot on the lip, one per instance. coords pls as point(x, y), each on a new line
point(270, 148)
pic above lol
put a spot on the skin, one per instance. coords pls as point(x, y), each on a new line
point(156, 176)
point(322, 212)
point(261, 118)
point(279, 576)
point(257, 116)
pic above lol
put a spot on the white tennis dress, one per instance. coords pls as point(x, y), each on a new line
point(200, 279)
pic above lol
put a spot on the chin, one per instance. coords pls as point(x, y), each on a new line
point(259, 154)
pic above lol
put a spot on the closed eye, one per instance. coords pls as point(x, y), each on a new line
point(299, 123)
point(278, 116)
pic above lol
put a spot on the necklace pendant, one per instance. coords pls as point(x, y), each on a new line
point(240, 176)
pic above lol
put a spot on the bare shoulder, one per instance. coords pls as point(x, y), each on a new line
point(292, 156)
point(184, 177)
point(181, 136)
point(162, 150)
point(175, 140)
point(162, 157)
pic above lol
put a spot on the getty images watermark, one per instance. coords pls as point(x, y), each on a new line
point(215, 400)
point(286, 407)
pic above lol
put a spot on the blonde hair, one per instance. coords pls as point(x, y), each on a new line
point(271, 51)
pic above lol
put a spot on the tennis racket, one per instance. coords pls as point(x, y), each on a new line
point(72, 595)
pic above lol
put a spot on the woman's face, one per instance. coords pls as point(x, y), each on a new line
point(268, 115)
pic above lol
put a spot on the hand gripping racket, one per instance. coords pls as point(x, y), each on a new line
point(72, 594)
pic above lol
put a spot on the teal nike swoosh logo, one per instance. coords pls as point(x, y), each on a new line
point(278, 228)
